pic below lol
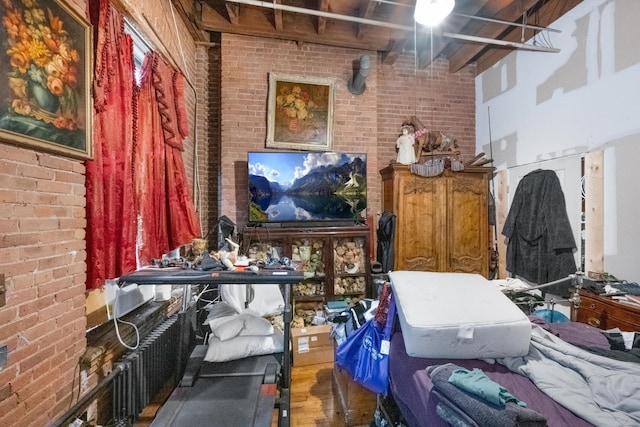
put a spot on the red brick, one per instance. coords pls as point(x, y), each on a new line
point(54, 286)
point(17, 326)
point(10, 225)
point(11, 412)
point(34, 171)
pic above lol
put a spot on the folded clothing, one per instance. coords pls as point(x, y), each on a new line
point(478, 383)
point(478, 409)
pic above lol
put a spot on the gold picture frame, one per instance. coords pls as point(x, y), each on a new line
point(46, 67)
point(300, 113)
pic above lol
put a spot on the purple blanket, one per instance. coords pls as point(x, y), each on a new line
point(411, 387)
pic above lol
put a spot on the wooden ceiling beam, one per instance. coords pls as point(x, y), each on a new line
point(256, 22)
point(322, 21)
point(233, 10)
point(277, 17)
point(366, 12)
point(396, 47)
point(191, 18)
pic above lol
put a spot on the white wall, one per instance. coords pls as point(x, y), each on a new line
point(534, 106)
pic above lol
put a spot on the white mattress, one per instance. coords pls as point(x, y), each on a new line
point(457, 316)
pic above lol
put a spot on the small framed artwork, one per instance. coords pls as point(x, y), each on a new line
point(45, 77)
point(300, 113)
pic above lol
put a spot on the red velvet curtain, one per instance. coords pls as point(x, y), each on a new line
point(166, 208)
point(111, 219)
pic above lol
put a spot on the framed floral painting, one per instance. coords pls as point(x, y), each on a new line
point(45, 75)
point(300, 113)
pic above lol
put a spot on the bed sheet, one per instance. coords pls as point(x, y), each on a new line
point(411, 387)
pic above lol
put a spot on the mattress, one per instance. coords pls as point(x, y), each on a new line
point(457, 316)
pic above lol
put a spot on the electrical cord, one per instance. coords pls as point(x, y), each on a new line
point(117, 328)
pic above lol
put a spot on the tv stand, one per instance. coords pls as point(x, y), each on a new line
point(335, 258)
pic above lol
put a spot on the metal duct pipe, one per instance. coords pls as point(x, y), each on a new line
point(357, 83)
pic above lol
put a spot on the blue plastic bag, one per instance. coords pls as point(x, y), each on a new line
point(365, 353)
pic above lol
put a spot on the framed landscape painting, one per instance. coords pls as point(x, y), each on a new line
point(45, 77)
point(300, 113)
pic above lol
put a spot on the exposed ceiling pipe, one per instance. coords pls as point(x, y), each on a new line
point(513, 24)
point(480, 18)
point(373, 22)
point(500, 42)
point(357, 84)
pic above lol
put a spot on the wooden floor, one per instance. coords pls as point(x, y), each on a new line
point(313, 401)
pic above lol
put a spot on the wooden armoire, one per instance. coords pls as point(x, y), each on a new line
point(442, 222)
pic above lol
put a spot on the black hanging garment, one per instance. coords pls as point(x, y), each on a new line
point(385, 234)
point(541, 243)
point(224, 228)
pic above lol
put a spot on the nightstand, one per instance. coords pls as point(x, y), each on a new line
point(607, 313)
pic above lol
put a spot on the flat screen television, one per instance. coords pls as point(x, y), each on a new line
point(307, 186)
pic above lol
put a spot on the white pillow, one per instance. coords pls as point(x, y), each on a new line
point(256, 325)
point(219, 310)
point(241, 347)
point(267, 299)
point(243, 324)
point(227, 327)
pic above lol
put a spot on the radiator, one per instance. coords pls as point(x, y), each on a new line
point(145, 371)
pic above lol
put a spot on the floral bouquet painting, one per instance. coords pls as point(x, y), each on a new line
point(300, 113)
point(43, 92)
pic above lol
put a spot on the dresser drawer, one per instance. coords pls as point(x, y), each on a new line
point(606, 313)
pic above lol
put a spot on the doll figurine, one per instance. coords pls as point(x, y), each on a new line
point(404, 144)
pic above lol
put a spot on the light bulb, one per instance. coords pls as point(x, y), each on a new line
point(432, 12)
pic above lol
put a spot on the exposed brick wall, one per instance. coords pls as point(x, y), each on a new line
point(440, 100)
point(367, 123)
point(42, 255)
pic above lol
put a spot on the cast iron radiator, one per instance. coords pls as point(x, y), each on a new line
point(145, 370)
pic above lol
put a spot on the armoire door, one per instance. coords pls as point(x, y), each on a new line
point(419, 234)
point(467, 224)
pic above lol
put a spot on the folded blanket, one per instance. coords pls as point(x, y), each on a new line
point(479, 410)
point(448, 411)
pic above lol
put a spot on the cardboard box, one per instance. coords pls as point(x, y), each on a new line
point(312, 345)
point(314, 356)
point(304, 339)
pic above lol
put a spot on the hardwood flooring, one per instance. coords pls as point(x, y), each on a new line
point(313, 401)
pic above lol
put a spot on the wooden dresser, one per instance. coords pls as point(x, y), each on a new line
point(607, 313)
point(441, 222)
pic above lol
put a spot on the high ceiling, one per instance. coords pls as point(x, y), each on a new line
point(478, 31)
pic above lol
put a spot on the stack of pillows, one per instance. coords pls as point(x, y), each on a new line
point(237, 335)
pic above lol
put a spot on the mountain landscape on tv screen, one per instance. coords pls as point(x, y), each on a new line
point(307, 186)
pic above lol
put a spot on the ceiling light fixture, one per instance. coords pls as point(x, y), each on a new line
point(432, 12)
